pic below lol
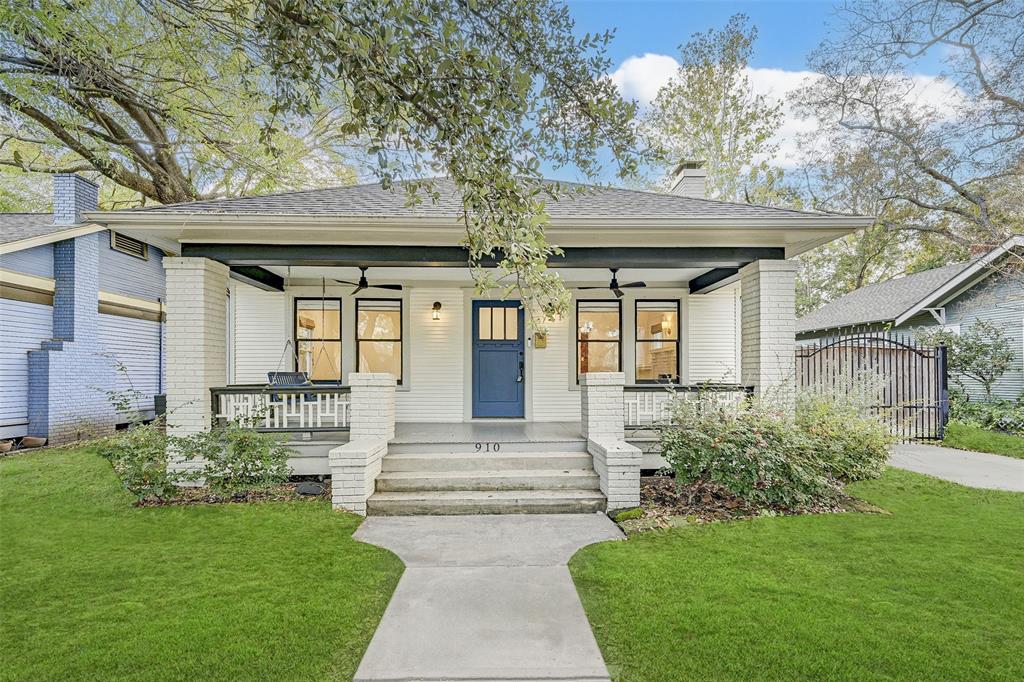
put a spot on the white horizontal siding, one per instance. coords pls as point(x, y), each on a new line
point(23, 327)
point(552, 374)
point(714, 336)
point(436, 356)
point(259, 334)
point(135, 344)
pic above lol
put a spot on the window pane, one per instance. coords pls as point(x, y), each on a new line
point(512, 324)
point(498, 324)
point(381, 356)
point(657, 321)
point(657, 361)
point(598, 321)
point(484, 323)
point(318, 320)
point(597, 356)
point(320, 360)
point(379, 319)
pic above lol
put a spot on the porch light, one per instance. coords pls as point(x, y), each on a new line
point(436, 314)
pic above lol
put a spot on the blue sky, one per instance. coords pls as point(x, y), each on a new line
point(648, 34)
point(788, 30)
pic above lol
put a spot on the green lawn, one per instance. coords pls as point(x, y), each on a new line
point(967, 437)
point(93, 588)
point(934, 591)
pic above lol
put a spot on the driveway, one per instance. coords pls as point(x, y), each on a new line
point(975, 469)
point(485, 598)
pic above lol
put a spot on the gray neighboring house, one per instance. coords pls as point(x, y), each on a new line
point(954, 296)
point(76, 300)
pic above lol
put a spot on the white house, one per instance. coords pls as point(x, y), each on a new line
point(430, 397)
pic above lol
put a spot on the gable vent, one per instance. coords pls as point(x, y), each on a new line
point(133, 247)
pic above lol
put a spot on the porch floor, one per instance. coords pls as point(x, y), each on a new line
point(504, 431)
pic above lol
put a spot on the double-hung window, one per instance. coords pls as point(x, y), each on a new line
point(598, 336)
point(318, 338)
point(379, 336)
point(657, 341)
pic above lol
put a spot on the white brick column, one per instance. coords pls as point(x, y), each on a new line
point(196, 347)
point(356, 464)
point(601, 405)
point(768, 320)
point(616, 462)
point(373, 406)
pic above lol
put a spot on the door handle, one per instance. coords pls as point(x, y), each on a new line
point(519, 379)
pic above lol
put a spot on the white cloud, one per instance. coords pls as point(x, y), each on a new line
point(640, 78)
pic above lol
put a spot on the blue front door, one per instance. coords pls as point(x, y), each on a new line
point(499, 378)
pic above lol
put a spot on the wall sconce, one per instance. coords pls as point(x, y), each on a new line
point(436, 314)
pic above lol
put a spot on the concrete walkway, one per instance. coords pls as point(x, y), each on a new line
point(485, 598)
point(975, 469)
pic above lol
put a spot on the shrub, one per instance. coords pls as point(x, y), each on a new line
point(139, 457)
point(981, 352)
point(1002, 415)
point(236, 459)
point(849, 444)
point(771, 458)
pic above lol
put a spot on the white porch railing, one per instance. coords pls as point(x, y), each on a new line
point(273, 408)
point(646, 405)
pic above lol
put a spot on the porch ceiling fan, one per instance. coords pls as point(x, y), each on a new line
point(364, 284)
point(616, 287)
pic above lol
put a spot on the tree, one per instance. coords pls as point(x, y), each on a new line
point(982, 352)
point(709, 112)
point(951, 147)
point(145, 95)
point(484, 92)
point(849, 179)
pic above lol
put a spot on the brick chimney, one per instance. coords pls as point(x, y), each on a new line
point(689, 180)
point(72, 196)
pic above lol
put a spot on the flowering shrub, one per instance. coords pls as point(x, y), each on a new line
point(236, 459)
point(139, 457)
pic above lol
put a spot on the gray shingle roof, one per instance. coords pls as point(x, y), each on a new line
point(371, 200)
point(17, 226)
point(880, 302)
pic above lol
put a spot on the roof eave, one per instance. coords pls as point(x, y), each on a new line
point(70, 232)
point(198, 219)
point(941, 292)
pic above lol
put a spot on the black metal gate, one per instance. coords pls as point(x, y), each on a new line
point(907, 384)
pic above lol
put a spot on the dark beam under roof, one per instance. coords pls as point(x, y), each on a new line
point(713, 279)
point(258, 277)
point(236, 255)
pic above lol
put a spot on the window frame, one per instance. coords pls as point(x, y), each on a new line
point(401, 333)
point(678, 341)
point(576, 328)
point(339, 340)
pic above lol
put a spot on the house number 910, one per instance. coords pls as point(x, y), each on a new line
point(488, 447)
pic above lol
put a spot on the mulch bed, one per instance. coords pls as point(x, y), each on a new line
point(666, 506)
point(192, 496)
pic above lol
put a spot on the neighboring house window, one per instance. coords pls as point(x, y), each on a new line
point(657, 341)
point(132, 247)
point(379, 336)
point(598, 336)
point(318, 338)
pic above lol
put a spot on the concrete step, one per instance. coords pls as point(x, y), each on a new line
point(485, 447)
point(447, 502)
point(459, 461)
point(527, 479)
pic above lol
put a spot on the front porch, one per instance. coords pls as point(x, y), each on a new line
point(412, 377)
